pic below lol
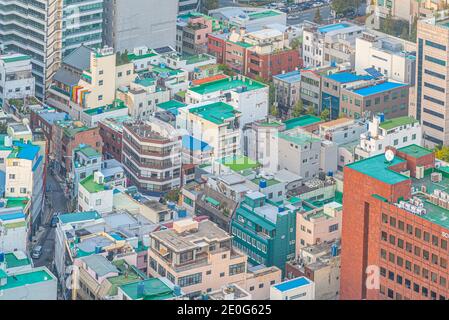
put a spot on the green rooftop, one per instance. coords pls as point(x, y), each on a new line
point(263, 14)
point(117, 105)
point(227, 84)
point(169, 71)
point(132, 56)
point(154, 289)
point(216, 112)
point(13, 262)
point(91, 186)
point(242, 44)
point(378, 168)
point(298, 138)
point(28, 278)
point(302, 121)
point(270, 182)
point(239, 163)
point(16, 58)
point(397, 122)
point(171, 104)
point(415, 151)
point(212, 201)
point(79, 216)
point(88, 151)
point(17, 202)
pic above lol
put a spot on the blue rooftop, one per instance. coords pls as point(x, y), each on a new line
point(290, 77)
point(379, 88)
point(333, 27)
point(12, 216)
point(79, 216)
point(194, 144)
point(292, 284)
point(52, 117)
point(346, 77)
point(26, 151)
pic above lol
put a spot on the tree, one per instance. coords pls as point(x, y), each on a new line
point(310, 110)
point(274, 110)
point(325, 114)
point(295, 44)
point(3, 127)
point(210, 5)
point(317, 18)
point(173, 195)
point(442, 153)
point(297, 109)
point(388, 25)
point(413, 29)
point(225, 69)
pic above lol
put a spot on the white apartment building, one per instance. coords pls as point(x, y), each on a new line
point(392, 57)
point(296, 289)
point(216, 123)
point(94, 195)
point(398, 133)
point(330, 44)
point(16, 79)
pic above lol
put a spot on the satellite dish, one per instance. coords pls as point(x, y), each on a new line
point(389, 155)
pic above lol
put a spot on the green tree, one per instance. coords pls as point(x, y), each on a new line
point(297, 109)
point(274, 110)
point(3, 127)
point(225, 69)
point(388, 25)
point(310, 110)
point(173, 195)
point(325, 114)
point(442, 153)
point(210, 5)
point(317, 19)
point(296, 43)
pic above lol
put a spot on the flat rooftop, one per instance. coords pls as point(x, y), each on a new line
point(292, 284)
point(91, 186)
point(239, 163)
point(378, 168)
point(217, 112)
point(26, 279)
point(299, 138)
point(302, 121)
point(334, 27)
point(290, 77)
point(346, 77)
point(153, 289)
point(397, 122)
point(263, 14)
point(117, 105)
point(227, 84)
point(79, 216)
point(415, 151)
point(379, 88)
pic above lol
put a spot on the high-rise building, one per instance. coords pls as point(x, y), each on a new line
point(432, 82)
point(82, 24)
point(37, 33)
point(395, 232)
point(129, 24)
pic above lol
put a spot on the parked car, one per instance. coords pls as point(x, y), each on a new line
point(37, 252)
point(54, 221)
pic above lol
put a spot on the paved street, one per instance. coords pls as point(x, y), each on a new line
point(56, 203)
point(299, 17)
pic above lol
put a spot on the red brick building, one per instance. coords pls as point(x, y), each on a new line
point(111, 132)
point(263, 53)
point(395, 228)
point(68, 135)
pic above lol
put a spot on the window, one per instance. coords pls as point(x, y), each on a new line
point(98, 202)
point(100, 83)
point(100, 97)
point(23, 190)
point(222, 274)
point(400, 243)
point(393, 222)
point(401, 225)
point(333, 227)
point(12, 176)
point(399, 261)
point(237, 268)
point(426, 236)
point(190, 280)
point(418, 233)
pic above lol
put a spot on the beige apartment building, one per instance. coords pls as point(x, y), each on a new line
point(432, 85)
point(199, 258)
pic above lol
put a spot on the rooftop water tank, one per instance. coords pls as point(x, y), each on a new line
point(334, 250)
point(182, 213)
point(2, 257)
point(262, 183)
point(97, 249)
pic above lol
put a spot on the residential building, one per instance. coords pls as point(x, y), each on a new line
point(288, 91)
point(397, 132)
point(14, 226)
point(111, 132)
point(299, 152)
point(229, 292)
point(94, 195)
point(330, 44)
point(66, 136)
point(128, 25)
point(196, 256)
point(295, 289)
point(265, 231)
point(251, 18)
point(393, 57)
point(85, 161)
point(247, 96)
point(149, 289)
point(34, 284)
point(91, 117)
point(390, 98)
point(318, 225)
point(24, 177)
point(431, 79)
point(88, 79)
point(216, 123)
point(396, 227)
point(321, 264)
point(195, 151)
point(16, 79)
point(152, 156)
